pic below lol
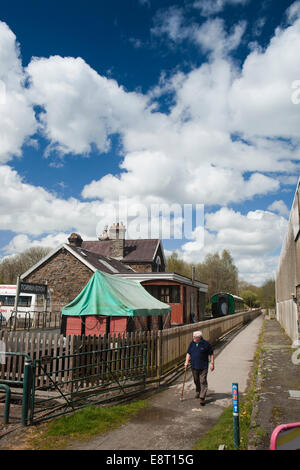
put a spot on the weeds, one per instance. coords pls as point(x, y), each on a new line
point(81, 425)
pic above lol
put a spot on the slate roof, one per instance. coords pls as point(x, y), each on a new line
point(100, 262)
point(135, 250)
point(95, 254)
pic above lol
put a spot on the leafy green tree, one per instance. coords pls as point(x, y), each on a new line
point(219, 272)
point(176, 265)
point(267, 294)
point(250, 298)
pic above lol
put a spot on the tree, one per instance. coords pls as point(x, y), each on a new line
point(219, 272)
point(267, 294)
point(250, 298)
point(176, 265)
point(13, 266)
point(243, 285)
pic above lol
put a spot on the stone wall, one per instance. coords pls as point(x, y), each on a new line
point(66, 277)
point(141, 268)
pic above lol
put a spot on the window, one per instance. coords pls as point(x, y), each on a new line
point(24, 301)
point(9, 301)
point(166, 294)
point(158, 264)
point(175, 295)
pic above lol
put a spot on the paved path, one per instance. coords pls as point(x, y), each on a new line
point(171, 424)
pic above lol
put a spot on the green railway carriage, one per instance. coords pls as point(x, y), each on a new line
point(226, 304)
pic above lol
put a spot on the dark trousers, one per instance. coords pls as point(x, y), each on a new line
point(200, 379)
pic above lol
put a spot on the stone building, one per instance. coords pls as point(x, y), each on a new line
point(287, 279)
point(69, 267)
point(142, 255)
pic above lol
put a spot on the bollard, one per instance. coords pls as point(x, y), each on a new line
point(235, 412)
point(7, 402)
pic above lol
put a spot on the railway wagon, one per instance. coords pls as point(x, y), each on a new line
point(226, 304)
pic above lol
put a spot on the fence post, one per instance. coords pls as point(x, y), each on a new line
point(72, 371)
point(159, 356)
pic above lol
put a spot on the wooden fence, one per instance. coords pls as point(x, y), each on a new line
point(166, 349)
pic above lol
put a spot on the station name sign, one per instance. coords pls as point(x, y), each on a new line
point(29, 288)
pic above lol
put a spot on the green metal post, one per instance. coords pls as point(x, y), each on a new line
point(7, 402)
point(26, 390)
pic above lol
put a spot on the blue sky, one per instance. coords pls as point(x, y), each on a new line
point(154, 102)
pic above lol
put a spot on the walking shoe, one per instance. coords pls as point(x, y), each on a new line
point(197, 395)
point(202, 401)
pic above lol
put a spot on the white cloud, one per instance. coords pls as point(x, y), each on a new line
point(197, 145)
point(252, 239)
point(177, 181)
point(32, 210)
point(170, 23)
point(211, 36)
point(22, 242)
point(81, 107)
point(226, 132)
point(260, 98)
point(293, 12)
point(211, 7)
point(17, 120)
point(280, 207)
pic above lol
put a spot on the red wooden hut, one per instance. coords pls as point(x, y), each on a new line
point(186, 296)
point(110, 304)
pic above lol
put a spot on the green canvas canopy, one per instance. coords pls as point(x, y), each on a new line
point(106, 294)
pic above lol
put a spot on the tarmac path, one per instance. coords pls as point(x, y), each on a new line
point(171, 424)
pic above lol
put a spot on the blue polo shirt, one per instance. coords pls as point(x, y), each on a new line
point(199, 354)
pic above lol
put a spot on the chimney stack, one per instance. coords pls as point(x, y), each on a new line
point(75, 239)
point(104, 235)
point(117, 241)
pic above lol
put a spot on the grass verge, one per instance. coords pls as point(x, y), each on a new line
point(81, 425)
point(222, 432)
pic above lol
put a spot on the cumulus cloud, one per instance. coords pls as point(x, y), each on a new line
point(22, 242)
point(17, 121)
point(210, 36)
point(293, 12)
point(260, 98)
point(208, 7)
point(253, 240)
point(207, 140)
point(280, 207)
point(227, 134)
point(80, 107)
point(32, 210)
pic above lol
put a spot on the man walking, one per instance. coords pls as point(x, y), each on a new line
point(199, 352)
